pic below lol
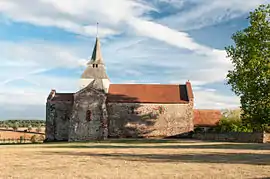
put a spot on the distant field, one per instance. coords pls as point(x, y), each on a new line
point(16, 135)
point(136, 159)
point(10, 134)
point(25, 128)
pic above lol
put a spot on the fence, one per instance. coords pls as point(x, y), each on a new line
point(15, 141)
point(23, 140)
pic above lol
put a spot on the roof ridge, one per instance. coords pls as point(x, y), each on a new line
point(144, 84)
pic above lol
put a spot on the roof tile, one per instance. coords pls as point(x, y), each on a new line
point(147, 93)
point(203, 117)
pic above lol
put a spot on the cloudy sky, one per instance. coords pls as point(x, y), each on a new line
point(44, 45)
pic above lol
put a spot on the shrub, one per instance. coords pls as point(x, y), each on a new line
point(15, 126)
point(6, 126)
point(29, 128)
point(38, 129)
point(21, 139)
point(37, 139)
point(232, 125)
point(231, 122)
point(267, 128)
point(198, 130)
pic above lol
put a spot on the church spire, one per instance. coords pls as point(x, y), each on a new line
point(95, 69)
point(96, 55)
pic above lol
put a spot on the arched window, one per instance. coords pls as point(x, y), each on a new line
point(96, 65)
point(93, 65)
point(88, 115)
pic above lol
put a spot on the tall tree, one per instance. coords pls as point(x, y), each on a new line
point(250, 77)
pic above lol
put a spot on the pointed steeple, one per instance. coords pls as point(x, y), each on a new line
point(95, 69)
point(96, 55)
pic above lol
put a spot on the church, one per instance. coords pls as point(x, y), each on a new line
point(101, 109)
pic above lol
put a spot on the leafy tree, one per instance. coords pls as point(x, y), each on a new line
point(250, 78)
point(29, 128)
point(15, 126)
point(23, 123)
point(6, 126)
point(38, 129)
point(37, 139)
point(231, 122)
point(234, 114)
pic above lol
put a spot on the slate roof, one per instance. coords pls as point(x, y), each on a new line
point(148, 93)
point(206, 117)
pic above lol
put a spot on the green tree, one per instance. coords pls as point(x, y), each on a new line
point(29, 128)
point(231, 122)
point(15, 126)
point(250, 77)
point(5, 125)
point(38, 129)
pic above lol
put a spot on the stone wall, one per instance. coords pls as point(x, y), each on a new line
point(57, 120)
point(88, 115)
point(245, 137)
point(149, 120)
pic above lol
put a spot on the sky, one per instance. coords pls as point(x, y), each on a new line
point(45, 44)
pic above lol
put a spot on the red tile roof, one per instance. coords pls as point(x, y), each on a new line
point(148, 93)
point(204, 118)
point(140, 93)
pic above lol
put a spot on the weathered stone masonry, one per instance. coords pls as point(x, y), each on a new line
point(57, 120)
point(149, 120)
point(89, 115)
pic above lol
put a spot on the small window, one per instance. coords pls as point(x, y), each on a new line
point(93, 65)
point(88, 115)
point(96, 65)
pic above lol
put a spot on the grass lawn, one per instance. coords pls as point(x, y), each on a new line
point(136, 159)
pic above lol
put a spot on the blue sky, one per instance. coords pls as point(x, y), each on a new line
point(143, 41)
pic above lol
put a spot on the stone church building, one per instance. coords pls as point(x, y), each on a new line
point(101, 109)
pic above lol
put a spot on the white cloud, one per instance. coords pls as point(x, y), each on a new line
point(38, 54)
point(208, 12)
point(23, 62)
point(37, 92)
point(211, 99)
point(74, 16)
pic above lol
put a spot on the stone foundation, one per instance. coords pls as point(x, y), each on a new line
point(245, 137)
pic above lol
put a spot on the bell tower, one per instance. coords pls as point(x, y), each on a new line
point(95, 69)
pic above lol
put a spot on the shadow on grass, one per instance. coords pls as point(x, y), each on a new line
point(128, 141)
point(230, 158)
point(172, 144)
point(15, 144)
